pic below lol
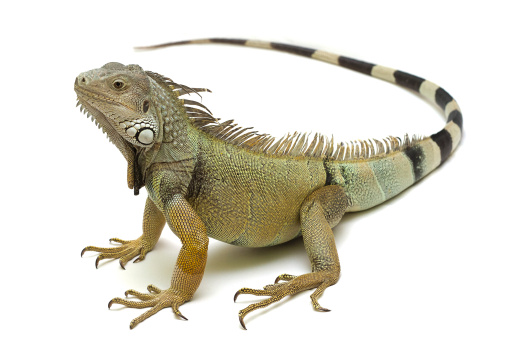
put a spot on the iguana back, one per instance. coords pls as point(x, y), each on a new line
point(370, 171)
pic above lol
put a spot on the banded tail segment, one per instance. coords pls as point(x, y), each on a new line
point(446, 139)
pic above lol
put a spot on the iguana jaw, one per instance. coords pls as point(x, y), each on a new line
point(101, 121)
point(127, 149)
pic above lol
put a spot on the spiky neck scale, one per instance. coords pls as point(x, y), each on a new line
point(173, 116)
point(173, 144)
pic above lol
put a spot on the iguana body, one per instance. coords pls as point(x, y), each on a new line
point(210, 179)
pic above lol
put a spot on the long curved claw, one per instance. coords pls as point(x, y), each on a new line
point(322, 309)
point(178, 313)
point(242, 322)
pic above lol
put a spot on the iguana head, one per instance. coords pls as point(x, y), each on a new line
point(140, 111)
point(118, 98)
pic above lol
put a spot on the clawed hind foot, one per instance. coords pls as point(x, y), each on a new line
point(290, 285)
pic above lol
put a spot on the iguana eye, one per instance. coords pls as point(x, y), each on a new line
point(146, 106)
point(118, 84)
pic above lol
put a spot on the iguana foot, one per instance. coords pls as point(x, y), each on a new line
point(292, 285)
point(125, 252)
point(157, 299)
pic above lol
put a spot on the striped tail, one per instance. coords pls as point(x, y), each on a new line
point(446, 139)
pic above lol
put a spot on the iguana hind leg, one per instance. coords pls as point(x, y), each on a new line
point(321, 211)
point(153, 224)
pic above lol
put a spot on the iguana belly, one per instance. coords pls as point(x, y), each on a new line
point(250, 201)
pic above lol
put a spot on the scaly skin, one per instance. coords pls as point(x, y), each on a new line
point(210, 179)
point(153, 224)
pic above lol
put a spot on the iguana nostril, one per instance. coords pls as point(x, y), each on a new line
point(80, 79)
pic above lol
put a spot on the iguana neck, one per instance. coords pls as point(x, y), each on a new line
point(173, 146)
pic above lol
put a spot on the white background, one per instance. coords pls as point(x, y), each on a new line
point(430, 263)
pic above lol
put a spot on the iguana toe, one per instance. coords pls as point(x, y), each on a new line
point(125, 252)
point(157, 299)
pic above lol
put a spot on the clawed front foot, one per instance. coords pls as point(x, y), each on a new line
point(125, 252)
point(291, 285)
point(156, 298)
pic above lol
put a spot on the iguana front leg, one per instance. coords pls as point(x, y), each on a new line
point(321, 211)
point(189, 269)
point(153, 224)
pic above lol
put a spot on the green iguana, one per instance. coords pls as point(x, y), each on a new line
point(207, 178)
